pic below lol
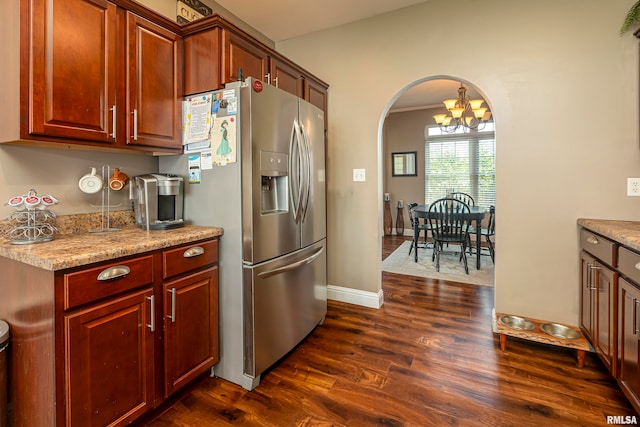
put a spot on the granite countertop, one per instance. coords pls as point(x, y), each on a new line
point(624, 232)
point(77, 247)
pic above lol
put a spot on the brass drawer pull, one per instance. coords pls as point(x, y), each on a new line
point(115, 272)
point(593, 240)
point(193, 252)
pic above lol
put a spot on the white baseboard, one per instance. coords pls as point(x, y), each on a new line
point(355, 296)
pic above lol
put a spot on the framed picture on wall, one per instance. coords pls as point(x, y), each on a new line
point(404, 163)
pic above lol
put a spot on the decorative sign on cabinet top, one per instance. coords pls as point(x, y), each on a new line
point(191, 10)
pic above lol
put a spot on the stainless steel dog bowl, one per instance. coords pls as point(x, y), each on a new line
point(560, 331)
point(516, 322)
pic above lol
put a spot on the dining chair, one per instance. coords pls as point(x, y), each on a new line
point(465, 197)
point(449, 219)
point(421, 227)
point(489, 233)
point(468, 199)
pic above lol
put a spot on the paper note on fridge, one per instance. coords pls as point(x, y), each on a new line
point(196, 118)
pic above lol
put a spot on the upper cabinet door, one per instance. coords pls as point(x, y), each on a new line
point(71, 82)
point(237, 53)
point(154, 88)
point(202, 61)
point(286, 77)
point(316, 94)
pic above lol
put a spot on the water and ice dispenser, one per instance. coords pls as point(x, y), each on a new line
point(274, 169)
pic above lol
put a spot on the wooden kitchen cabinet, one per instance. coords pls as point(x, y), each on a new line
point(154, 89)
point(70, 81)
point(118, 315)
point(286, 77)
point(93, 73)
point(109, 361)
point(191, 337)
point(103, 343)
point(629, 349)
point(598, 296)
point(597, 308)
point(215, 51)
point(109, 328)
point(238, 53)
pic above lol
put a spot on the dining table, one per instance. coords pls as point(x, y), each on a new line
point(476, 215)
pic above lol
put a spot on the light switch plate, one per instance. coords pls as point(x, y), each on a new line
point(359, 175)
point(633, 186)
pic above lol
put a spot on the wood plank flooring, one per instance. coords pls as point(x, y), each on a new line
point(426, 358)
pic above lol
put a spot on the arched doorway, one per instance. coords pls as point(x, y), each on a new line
point(408, 126)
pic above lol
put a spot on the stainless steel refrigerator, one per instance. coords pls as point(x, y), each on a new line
point(271, 204)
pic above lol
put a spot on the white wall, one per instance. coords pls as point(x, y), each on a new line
point(563, 87)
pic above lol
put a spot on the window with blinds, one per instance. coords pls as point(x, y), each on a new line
point(464, 161)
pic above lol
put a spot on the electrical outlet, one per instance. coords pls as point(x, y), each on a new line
point(358, 175)
point(633, 186)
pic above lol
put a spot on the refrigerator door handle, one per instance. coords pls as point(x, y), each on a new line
point(293, 265)
point(296, 164)
point(306, 171)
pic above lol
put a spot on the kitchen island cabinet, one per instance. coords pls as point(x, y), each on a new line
point(93, 73)
point(93, 337)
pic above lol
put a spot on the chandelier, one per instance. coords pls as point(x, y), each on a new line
point(463, 114)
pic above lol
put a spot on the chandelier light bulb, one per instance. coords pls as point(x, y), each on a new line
point(450, 103)
point(476, 103)
point(464, 113)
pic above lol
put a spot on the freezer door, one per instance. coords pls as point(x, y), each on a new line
point(314, 224)
point(284, 300)
point(269, 227)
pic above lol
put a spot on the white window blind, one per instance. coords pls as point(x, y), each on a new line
point(461, 162)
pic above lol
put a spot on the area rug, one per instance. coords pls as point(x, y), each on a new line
point(401, 262)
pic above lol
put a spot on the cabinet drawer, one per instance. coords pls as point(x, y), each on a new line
point(189, 257)
point(629, 264)
point(93, 284)
point(598, 246)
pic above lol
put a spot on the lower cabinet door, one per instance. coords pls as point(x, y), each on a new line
point(109, 361)
point(629, 350)
point(191, 327)
point(605, 288)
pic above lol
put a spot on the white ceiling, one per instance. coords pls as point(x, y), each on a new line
point(284, 19)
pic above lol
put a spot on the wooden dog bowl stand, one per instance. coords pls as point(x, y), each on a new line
point(580, 344)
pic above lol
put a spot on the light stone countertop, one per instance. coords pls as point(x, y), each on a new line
point(625, 232)
point(75, 246)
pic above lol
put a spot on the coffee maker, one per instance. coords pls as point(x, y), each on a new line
point(158, 200)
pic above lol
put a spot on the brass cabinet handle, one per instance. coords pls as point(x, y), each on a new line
point(193, 252)
point(115, 272)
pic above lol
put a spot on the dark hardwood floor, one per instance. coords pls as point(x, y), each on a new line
point(426, 358)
